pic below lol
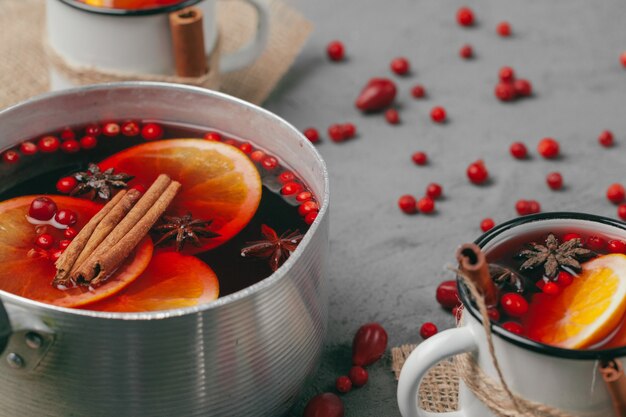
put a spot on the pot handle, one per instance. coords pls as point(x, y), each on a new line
point(425, 356)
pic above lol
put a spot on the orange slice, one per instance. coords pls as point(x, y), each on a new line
point(587, 311)
point(220, 182)
point(172, 280)
point(31, 276)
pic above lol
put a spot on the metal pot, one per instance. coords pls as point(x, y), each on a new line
point(246, 354)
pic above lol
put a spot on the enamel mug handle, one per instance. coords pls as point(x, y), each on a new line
point(248, 53)
point(5, 328)
point(425, 356)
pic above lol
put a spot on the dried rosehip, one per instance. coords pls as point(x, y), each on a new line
point(448, 294)
point(358, 375)
point(369, 344)
point(324, 405)
point(377, 94)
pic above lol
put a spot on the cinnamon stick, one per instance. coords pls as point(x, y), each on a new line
point(473, 263)
point(188, 42)
point(613, 374)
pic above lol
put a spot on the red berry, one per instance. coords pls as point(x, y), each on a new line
point(269, 162)
point(518, 150)
point(42, 208)
point(548, 148)
point(506, 74)
point(400, 65)
point(447, 294)
point(377, 94)
point(522, 207)
point(66, 217)
point(596, 243)
point(307, 207)
point(465, 16)
point(504, 29)
point(534, 206)
point(70, 233)
point(392, 116)
point(335, 132)
point(324, 405)
point(407, 204)
point(555, 180)
point(28, 148)
point(130, 129)
point(427, 330)
point(257, 156)
point(616, 246)
point(551, 288)
point(438, 114)
point(291, 188)
point(213, 136)
point(304, 196)
point(487, 224)
point(615, 193)
point(111, 129)
point(63, 244)
point(67, 134)
point(55, 255)
point(494, 314)
point(369, 344)
point(564, 279)
point(505, 91)
point(477, 172)
point(245, 148)
point(349, 130)
point(66, 185)
point(622, 59)
point(70, 146)
point(343, 384)
point(88, 142)
point(570, 236)
point(44, 241)
point(523, 88)
point(513, 327)
point(11, 157)
point(621, 211)
point(48, 144)
point(335, 51)
point(286, 176)
point(419, 158)
point(466, 51)
point(434, 190)
point(426, 205)
point(606, 138)
point(310, 217)
point(92, 130)
point(514, 304)
point(152, 131)
point(418, 91)
point(312, 135)
point(358, 375)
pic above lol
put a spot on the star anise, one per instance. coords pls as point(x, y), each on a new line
point(276, 249)
point(502, 275)
point(554, 255)
point(184, 228)
point(100, 182)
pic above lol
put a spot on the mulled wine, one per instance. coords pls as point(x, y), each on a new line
point(144, 215)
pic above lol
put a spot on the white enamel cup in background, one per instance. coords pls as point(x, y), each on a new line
point(136, 41)
point(566, 379)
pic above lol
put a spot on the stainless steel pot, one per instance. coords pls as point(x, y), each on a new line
point(246, 354)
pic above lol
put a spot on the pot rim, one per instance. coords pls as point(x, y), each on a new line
point(271, 280)
point(524, 342)
point(109, 11)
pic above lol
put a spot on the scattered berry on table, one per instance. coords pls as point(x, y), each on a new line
point(548, 148)
point(419, 158)
point(392, 116)
point(466, 51)
point(504, 29)
point(358, 375)
point(518, 150)
point(465, 16)
point(621, 211)
point(606, 139)
point(505, 91)
point(434, 190)
point(400, 66)
point(438, 114)
point(369, 344)
point(407, 204)
point(349, 130)
point(427, 330)
point(523, 87)
point(324, 405)
point(487, 224)
point(426, 205)
point(477, 172)
point(447, 294)
point(343, 384)
point(335, 51)
point(377, 94)
point(615, 193)
point(418, 91)
point(312, 135)
point(335, 133)
point(554, 180)
point(506, 74)
point(622, 59)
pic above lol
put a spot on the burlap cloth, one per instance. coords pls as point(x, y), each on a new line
point(24, 67)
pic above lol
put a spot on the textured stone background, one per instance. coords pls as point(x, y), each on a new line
point(384, 265)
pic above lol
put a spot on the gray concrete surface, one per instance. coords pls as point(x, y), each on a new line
point(384, 265)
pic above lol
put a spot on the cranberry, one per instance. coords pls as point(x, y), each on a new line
point(494, 314)
point(419, 158)
point(70, 146)
point(570, 236)
point(514, 304)
point(88, 142)
point(554, 180)
point(307, 207)
point(335, 51)
point(606, 138)
point(477, 172)
point(291, 188)
point(269, 162)
point(418, 91)
point(392, 116)
point(506, 74)
point(596, 243)
point(257, 156)
point(335, 132)
point(465, 16)
point(369, 344)
point(67, 134)
point(66, 185)
point(213, 136)
point(48, 144)
point(343, 384)
point(447, 294)
point(513, 327)
point(310, 217)
point(434, 190)
point(70, 233)
point(523, 88)
point(400, 65)
point(42, 208)
point(518, 150)
point(324, 405)
point(615, 193)
point(564, 279)
point(44, 241)
point(621, 211)
point(63, 244)
point(28, 148)
point(377, 94)
point(487, 224)
point(55, 255)
point(438, 114)
point(505, 91)
point(304, 196)
point(548, 148)
point(407, 204)
point(616, 246)
point(622, 59)
point(92, 130)
point(551, 288)
point(426, 205)
point(286, 176)
point(534, 206)
point(504, 29)
point(245, 148)
point(11, 157)
point(312, 135)
point(466, 51)
point(522, 207)
point(358, 375)
point(349, 130)
point(66, 217)
point(427, 330)
point(152, 131)
point(130, 129)
point(111, 129)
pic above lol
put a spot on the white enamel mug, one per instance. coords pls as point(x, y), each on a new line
point(136, 41)
point(566, 379)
